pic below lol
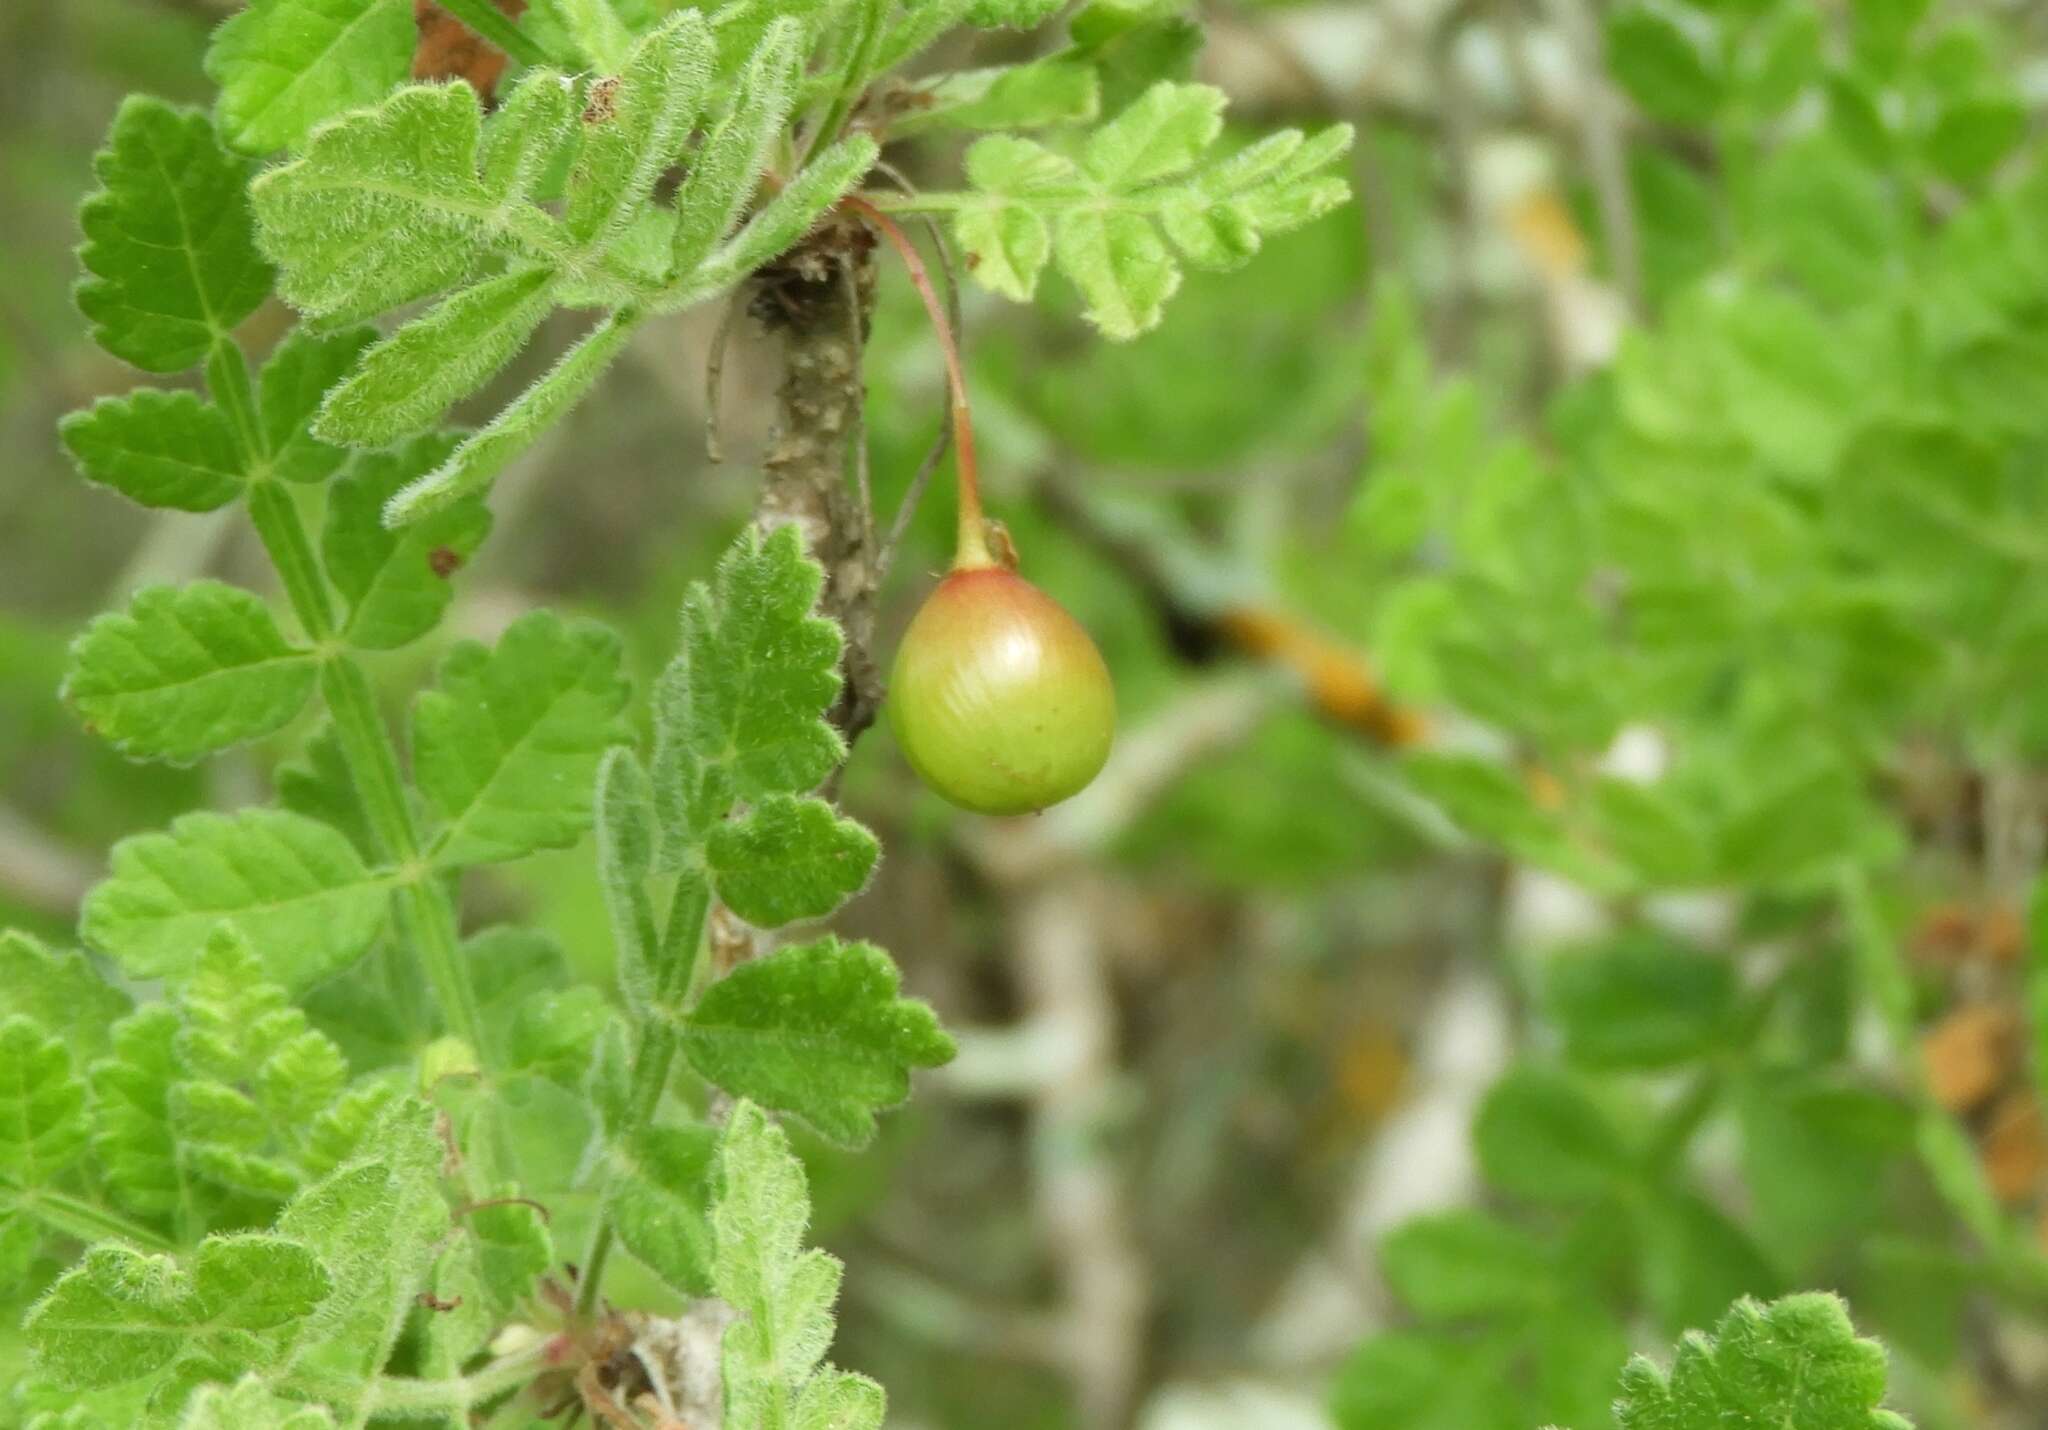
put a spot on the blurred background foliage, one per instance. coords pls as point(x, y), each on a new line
point(1579, 619)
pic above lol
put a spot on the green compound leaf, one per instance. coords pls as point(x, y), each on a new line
point(120, 1315)
point(396, 583)
point(1101, 219)
point(1641, 1002)
point(592, 27)
point(1055, 90)
point(61, 991)
point(294, 888)
point(1453, 1265)
point(782, 1292)
point(42, 1105)
point(161, 449)
point(1661, 68)
point(1794, 1362)
point(784, 219)
point(295, 380)
point(477, 462)
point(739, 713)
point(258, 1074)
point(734, 155)
point(283, 66)
point(249, 1406)
point(406, 382)
point(375, 1223)
point(186, 671)
point(507, 745)
point(389, 205)
point(172, 268)
point(625, 857)
point(132, 1140)
point(634, 126)
point(659, 1197)
point(788, 859)
point(818, 1030)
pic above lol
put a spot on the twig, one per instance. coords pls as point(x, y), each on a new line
point(38, 870)
point(1600, 123)
point(804, 484)
point(913, 495)
point(863, 483)
point(714, 373)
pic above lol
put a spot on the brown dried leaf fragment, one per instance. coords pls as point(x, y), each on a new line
point(449, 49)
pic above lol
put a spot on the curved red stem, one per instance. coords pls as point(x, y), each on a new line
point(971, 545)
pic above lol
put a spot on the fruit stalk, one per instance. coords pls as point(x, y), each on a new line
point(970, 548)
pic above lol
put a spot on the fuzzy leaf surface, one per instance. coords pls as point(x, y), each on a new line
point(396, 583)
point(119, 1314)
point(42, 1105)
point(787, 859)
point(1796, 1361)
point(784, 1294)
point(740, 710)
point(294, 888)
point(819, 1030)
point(59, 990)
point(507, 743)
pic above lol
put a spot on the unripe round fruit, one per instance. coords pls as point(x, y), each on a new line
point(999, 699)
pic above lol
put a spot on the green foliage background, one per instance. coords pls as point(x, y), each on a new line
point(1714, 554)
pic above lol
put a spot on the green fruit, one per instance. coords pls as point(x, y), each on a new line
point(1000, 700)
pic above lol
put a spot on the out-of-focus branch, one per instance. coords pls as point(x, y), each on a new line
point(1600, 120)
point(38, 870)
point(1201, 627)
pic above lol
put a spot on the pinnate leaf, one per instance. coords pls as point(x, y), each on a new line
point(186, 671)
point(406, 382)
point(61, 991)
point(283, 66)
point(161, 449)
point(818, 1030)
point(731, 159)
point(477, 462)
point(42, 1105)
point(782, 1292)
point(1055, 90)
point(295, 379)
point(294, 888)
point(1796, 1361)
point(170, 262)
point(625, 857)
point(740, 710)
point(120, 1315)
point(788, 859)
point(132, 1139)
point(388, 205)
point(244, 1036)
point(659, 1197)
point(374, 1223)
point(778, 224)
point(1102, 218)
point(506, 746)
point(634, 126)
point(396, 583)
